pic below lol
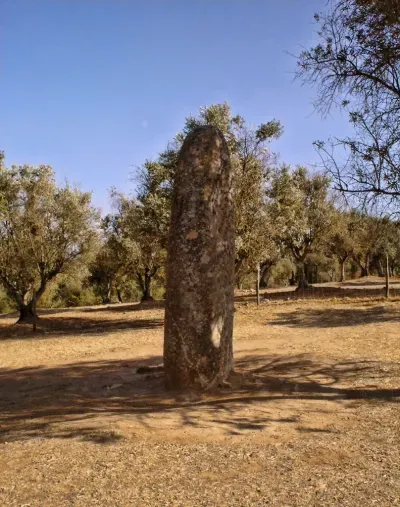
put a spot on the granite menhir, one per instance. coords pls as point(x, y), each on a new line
point(200, 266)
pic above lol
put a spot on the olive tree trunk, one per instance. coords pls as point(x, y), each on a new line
point(343, 268)
point(303, 282)
point(26, 307)
point(144, 282)
point(387, 276)
point(27, 312)
point(147, 286)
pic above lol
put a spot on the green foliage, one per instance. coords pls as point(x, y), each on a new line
point(144, 219)
point(71, 293)
point(300, 208)
point(107, 269)
point(286, 221)
point(6, 304)
point(144, 222)
point(281, 272)
point(321, 268)
point(102, 274)
point(44, 230)
point(368, 237)
point(251, 161)
point(341, 240)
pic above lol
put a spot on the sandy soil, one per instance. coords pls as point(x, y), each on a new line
point(311, 417)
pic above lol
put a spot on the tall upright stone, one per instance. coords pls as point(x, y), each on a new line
point(200, 266)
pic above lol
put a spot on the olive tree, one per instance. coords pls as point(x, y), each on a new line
point(144, 222)
point(251, 160)
point(44, 229)
point(108, 268)
point(302, 213)
point(342, 240)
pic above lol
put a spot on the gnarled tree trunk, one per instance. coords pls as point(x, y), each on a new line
point(27, 309)
point(380, 269)
point(365, 267)
point(387, 275)
point(301, 274)
point(106, 298)
point(265, 274)
point(343, 268)
point(146, 288)
point(27, 312)
point(144, 282)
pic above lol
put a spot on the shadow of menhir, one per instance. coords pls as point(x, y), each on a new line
point(75, 400)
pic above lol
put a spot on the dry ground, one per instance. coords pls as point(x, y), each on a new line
point(312, 421)
point(372, 286)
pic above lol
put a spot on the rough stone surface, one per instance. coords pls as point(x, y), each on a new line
point(200, 268)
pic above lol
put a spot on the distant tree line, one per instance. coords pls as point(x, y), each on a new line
point(298, 226)
point(56, 249)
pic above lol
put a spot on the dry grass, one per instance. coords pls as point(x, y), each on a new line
point(311, 417)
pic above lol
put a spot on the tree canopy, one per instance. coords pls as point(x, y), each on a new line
point(287, 223)
point(300, 208)
point(356, 65)
point(44, 228)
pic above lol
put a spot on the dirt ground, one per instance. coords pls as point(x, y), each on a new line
point(311, 417)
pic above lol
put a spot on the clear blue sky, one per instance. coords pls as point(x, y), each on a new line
point(94, 87)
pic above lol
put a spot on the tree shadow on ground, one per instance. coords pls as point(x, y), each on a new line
point(337, 317)
point(368, 283)
point(50, 327)
point(77, 400)
point(322, 292)
point(124, 307)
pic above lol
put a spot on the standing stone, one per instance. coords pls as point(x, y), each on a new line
point(200, 267)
